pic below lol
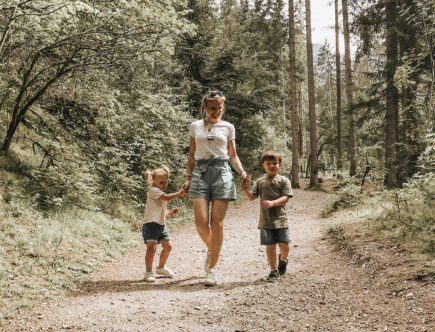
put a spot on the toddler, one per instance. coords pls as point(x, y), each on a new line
point(154, 230)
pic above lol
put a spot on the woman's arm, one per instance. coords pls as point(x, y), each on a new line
point(234, 159)
point(190, 163)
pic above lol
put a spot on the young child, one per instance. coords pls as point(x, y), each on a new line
point(154, 230)
point(274, 191)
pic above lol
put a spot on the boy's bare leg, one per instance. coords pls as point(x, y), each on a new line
point(151, 250)
point(218, 212)
point(271, 256)
point(200, 210)
point(167, 247)
point(284, 248)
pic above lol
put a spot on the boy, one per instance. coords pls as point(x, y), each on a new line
point(274, 191)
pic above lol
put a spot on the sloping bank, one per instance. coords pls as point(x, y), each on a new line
point(388, 228)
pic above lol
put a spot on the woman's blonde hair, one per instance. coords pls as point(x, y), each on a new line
point(150, 175)
point(212, 95)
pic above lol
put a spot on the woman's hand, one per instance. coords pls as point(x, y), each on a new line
point(185, 188)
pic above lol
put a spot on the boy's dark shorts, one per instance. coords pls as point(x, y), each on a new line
point(154, 232)
point(274, 236)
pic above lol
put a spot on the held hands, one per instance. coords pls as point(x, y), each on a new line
point(246, 181)
point(184, 191)
point(267, 204)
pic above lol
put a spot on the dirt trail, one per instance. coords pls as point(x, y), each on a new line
point(321, 291)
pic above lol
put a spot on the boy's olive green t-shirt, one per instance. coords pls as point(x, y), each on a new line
point(268, 189)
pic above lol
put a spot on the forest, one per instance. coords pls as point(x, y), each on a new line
point(93, 93)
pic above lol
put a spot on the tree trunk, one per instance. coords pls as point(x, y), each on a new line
point(294, 99)
point(411, 119)
point(338, 81)
point(301, 134)
point(9, 135)
point(391, 94)
point(349, 89)
point(311, 99)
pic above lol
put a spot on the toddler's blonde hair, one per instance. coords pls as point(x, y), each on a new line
point(150, 175)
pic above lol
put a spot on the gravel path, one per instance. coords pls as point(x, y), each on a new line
point(321, 291)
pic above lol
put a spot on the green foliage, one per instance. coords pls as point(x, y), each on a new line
point(402, 215)
point(255, 135)
point(409, 215)
point(346, 197)
point(426, 162)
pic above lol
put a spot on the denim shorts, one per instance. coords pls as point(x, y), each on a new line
point(274, 236)
point(212, 179)
point(154, 232)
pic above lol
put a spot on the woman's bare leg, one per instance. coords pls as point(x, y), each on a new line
point(201, 212)
point(218, 212)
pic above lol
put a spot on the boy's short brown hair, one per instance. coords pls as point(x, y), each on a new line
point(271, 155)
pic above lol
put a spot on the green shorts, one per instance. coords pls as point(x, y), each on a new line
point(212, 179)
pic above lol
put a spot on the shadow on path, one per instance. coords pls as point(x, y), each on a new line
point(190, 284)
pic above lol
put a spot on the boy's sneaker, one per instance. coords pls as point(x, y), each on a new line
point(211, 280)
point(273, 276)
point(282, 266)
point(149, 277)
point(207, 262)
point(165, 271)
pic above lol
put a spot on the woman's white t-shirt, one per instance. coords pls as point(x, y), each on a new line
point(214, 140)
point(155, 207)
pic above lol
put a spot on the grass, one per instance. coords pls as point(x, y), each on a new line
point(45, 256)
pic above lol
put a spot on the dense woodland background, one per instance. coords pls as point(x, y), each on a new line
point(92, 93)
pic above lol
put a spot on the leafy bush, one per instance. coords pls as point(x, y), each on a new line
point(410, 214)
point(348, 196)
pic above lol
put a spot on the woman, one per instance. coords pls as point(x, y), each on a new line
point(209, 177)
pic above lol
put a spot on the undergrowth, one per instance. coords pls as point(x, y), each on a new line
point(346, 197)
point(408, 214)
point(43, 256)
point(404, 216)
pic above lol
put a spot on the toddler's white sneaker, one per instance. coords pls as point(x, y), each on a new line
point(149, 277)
point(165, 271)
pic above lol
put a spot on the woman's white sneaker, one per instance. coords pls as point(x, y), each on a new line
point(210, 279)
point(165, 271)
point(149, 277)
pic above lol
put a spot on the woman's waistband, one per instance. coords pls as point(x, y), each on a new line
point(212, 160)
